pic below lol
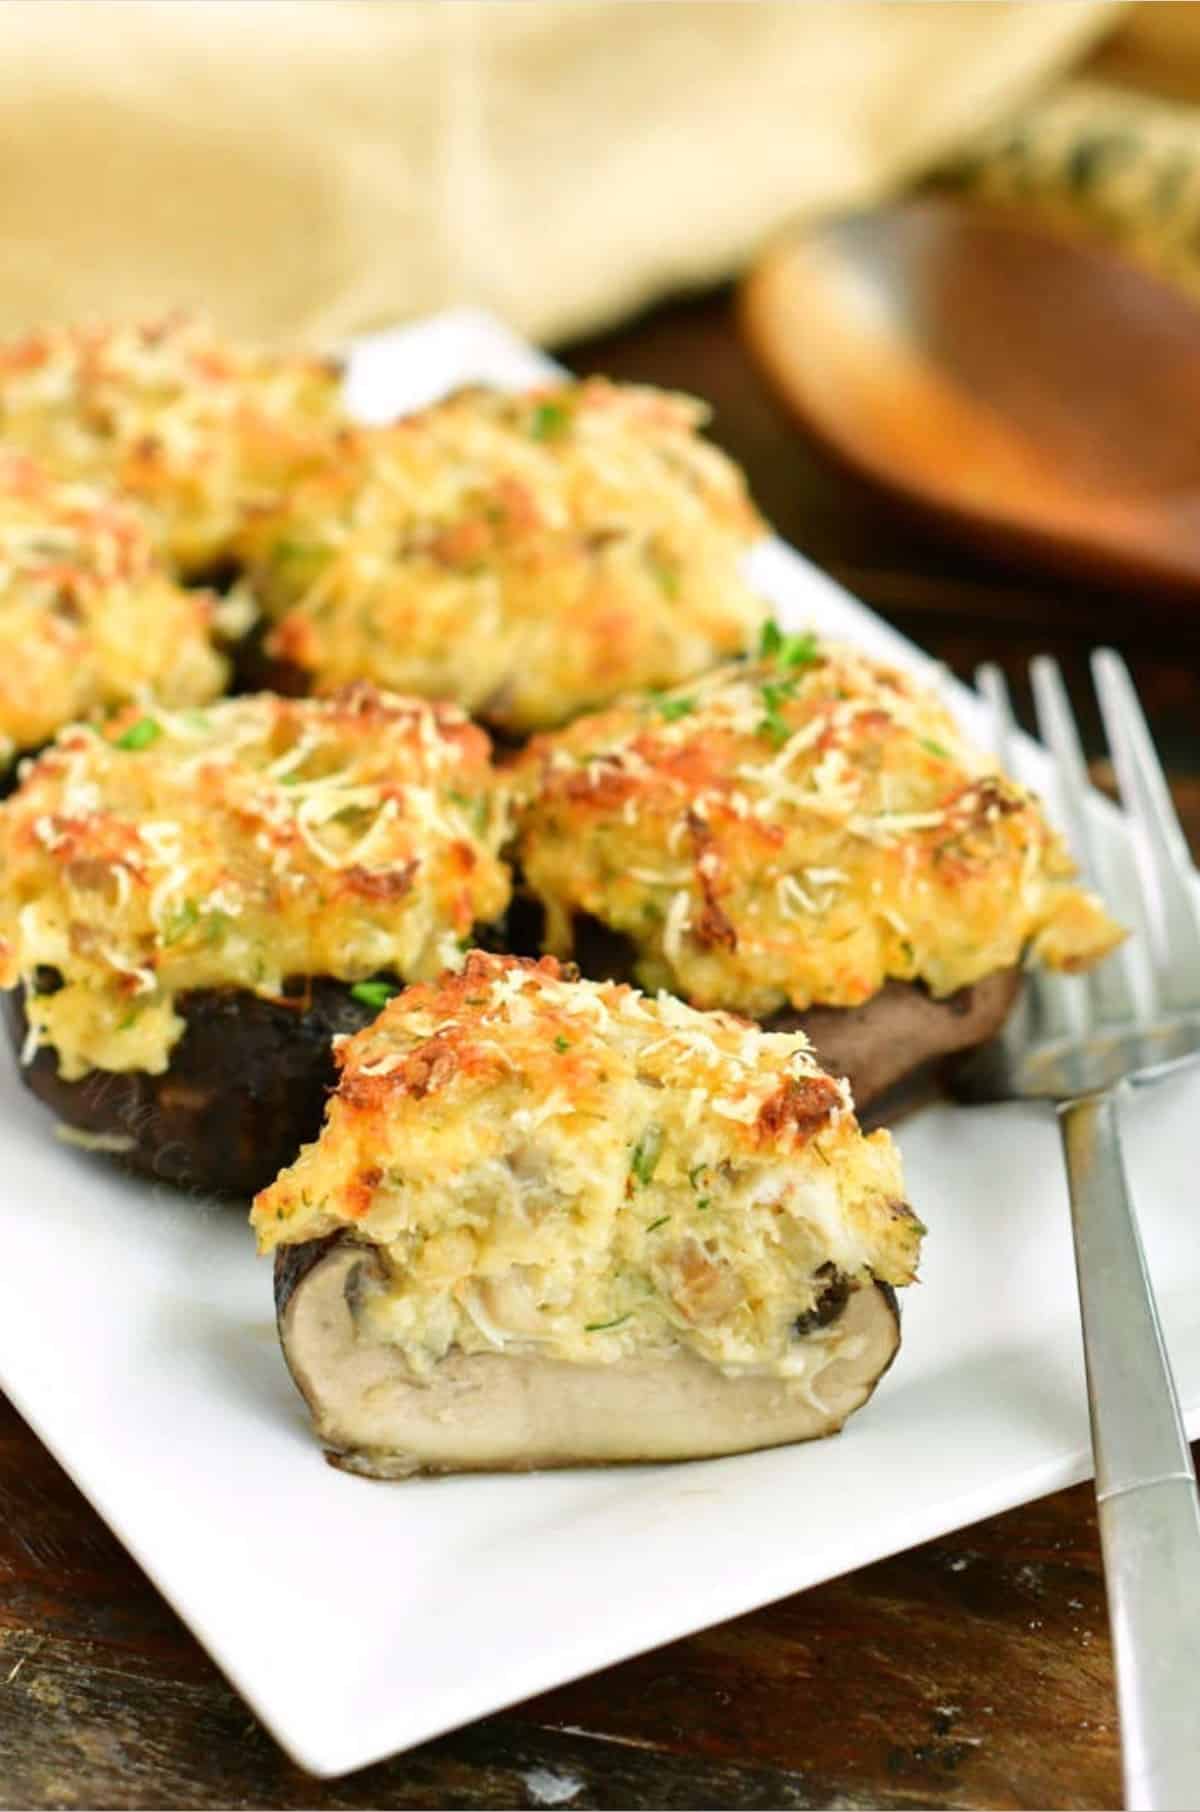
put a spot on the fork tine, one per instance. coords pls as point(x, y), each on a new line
point(1047, 993)
point(991, 683)
point(1110, 987)
point(1160, 852)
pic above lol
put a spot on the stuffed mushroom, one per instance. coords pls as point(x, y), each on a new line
point(806, 839)
point(579, 540)
point(89, 617)
point(552, 1222)
point(190, 428)
point(194, 903)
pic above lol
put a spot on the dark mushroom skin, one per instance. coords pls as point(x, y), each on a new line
point(374, 1419)
point(246, 1086)
point(900, 1031)
point(257, 670)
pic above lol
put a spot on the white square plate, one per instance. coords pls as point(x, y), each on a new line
point(136, 1335)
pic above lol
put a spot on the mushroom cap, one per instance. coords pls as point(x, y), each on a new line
point(502, 1412)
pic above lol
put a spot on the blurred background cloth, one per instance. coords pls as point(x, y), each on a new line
point(317, 169)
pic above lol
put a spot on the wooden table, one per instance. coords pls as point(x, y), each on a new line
point(974, 1671)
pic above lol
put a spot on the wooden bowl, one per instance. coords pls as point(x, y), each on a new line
point(1033, 393)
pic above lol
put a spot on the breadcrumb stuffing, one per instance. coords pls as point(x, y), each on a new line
point(189, 427)
point(573, 1166)
point(834, 828)
point(256, 841)
point(530, 556)
point(89, 618)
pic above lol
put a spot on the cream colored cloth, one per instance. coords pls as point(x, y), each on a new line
point(319, 168)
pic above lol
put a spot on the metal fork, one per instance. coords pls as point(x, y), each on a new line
point(1078, 1046)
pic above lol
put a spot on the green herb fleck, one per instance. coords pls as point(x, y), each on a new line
point(216, 923)
point(774, 727)
point(774, 724)
point(672, 709)
point(374, 993)
point(787, 650)
point(287, 548)
point(646, 1154)
point(799, 650)
point(660, 1222)
point(704, 1203)
point(477, 809)
point(667, 577)
point(561, 1043)
point(600, 1327)
point(935, 748)
point(139, 735)
point(696, 1170)
point(549, 421)
point(179, 921)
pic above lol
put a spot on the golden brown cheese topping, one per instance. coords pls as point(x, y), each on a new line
point(529, 556)
point(88, 617)
point(191, 427)
point(235, 847)
point(797, 830)
point(574, 1169)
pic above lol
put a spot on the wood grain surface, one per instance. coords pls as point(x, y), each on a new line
point(972, 1672)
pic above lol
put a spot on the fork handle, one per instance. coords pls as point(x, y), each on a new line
point(1145, 1485)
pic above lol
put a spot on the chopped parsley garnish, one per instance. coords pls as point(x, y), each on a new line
point(139, 735)
point(549, 420)
point(774, 727)
point(935, 748)
point(773, 723)
point(600, 1327)
point(787, 650)
point(660, 1222)
point(646, 1154)
point(771, 639)
point(216, 923)
point(476, 808)
point(561, 1043)
point(287, 548)
point(704, 1202)
point(374, 993)
point(672, 709)
point(696, 1170)
point(179, 921)
point(667, 577)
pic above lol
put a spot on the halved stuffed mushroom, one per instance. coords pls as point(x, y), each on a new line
point(806, 839)
point(193, 903)
point(579, 540)
point(192, 428)
point(89, 617)
point(550, 1222)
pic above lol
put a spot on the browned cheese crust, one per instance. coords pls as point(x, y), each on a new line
point(193, 903)
point(807, 834)
point(191, 429)
point(530, 556)
point(551, 1221)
